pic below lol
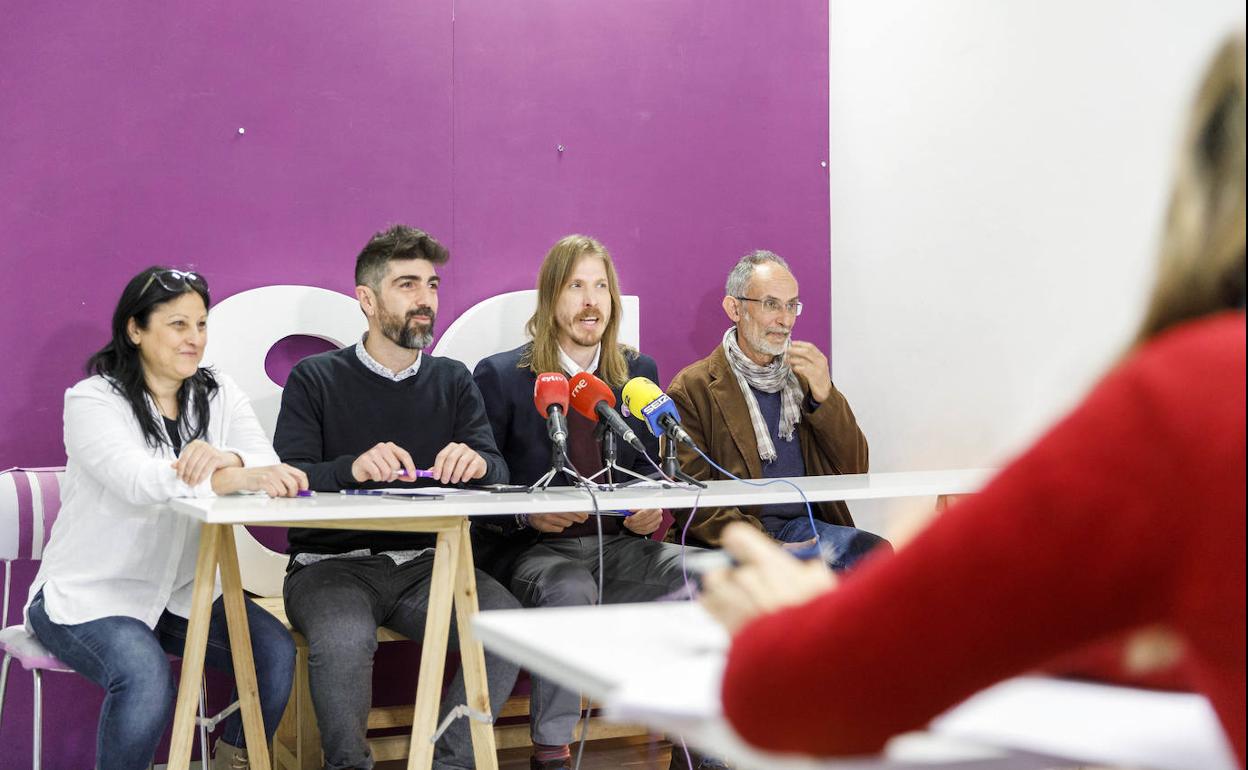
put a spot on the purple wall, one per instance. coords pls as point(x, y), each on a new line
point(693, 132)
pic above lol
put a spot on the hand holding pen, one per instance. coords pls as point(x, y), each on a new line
point(386, 462)
point(420, 474)
point(766, 578)
point(457, 463)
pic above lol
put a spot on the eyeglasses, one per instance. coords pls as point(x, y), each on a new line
point(774, 306)
point(175, 280)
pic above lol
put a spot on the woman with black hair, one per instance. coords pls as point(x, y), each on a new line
point(114, 587)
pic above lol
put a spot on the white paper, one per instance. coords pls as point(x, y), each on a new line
point(418, 491)
point(650, 696)
point(1099, 723)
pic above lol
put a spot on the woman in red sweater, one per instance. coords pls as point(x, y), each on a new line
point(1128, 515)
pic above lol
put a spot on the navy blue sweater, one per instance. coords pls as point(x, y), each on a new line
point(520, 430)
point(334, 409)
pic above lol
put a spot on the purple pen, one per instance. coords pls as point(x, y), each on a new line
point(305, 493)
point(420, 474)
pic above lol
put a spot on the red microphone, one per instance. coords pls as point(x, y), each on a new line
point(550, 396)
point(591, 397)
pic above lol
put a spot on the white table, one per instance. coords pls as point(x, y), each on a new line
point(1022, 724)
point(329, 507)
point(453, 580)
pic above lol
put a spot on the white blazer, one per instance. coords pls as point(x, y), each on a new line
point(118, 547)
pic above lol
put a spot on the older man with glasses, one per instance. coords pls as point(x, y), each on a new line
point(763, 405)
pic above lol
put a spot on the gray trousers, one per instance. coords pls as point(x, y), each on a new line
point(338, 604)
point(563, 572)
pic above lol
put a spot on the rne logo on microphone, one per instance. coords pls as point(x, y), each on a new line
point(580, 385)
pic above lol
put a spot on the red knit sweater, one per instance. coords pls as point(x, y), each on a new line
point(1129, 512)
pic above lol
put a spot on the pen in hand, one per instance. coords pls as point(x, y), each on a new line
point(420, 474)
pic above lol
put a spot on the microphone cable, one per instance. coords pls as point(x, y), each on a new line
point(693, 512)
point(684, 548)
point(659, 470)
point(588, 486)
point(755, 483)
point(684, 532)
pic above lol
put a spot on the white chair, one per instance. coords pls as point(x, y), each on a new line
point(30, 499)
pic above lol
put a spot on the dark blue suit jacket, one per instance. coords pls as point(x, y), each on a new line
point(520, 431)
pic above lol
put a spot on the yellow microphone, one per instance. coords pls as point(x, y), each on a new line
point(639, 392)
point(643, 399)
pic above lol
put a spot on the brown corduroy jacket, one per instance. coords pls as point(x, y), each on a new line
point(713, 410)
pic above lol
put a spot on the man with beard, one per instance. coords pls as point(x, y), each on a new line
point(366, 416)
point(553, 560)
point(763, 406)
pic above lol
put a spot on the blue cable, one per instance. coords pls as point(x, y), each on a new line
point(809, 512)
point(588, 486)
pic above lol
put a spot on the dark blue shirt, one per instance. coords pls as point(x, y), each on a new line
point(788, 461)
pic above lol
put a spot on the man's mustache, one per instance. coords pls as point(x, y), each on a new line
point(424, 310)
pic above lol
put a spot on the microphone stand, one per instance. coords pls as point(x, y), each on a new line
point(671, 466)
point(609, 454)
point(558, 464)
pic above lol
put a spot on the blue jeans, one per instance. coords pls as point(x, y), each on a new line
point(130, 661)
point(843, 547)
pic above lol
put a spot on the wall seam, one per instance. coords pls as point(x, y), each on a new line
point(454, 134)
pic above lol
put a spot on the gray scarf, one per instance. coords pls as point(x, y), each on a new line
point(776, 376)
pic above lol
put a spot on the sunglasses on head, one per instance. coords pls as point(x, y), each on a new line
point(174, 280)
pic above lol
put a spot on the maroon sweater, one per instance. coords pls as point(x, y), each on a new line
point(586, 457)
point(1129, 512)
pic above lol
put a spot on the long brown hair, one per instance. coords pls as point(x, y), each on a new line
point(543, 354)
point(1202, 250)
